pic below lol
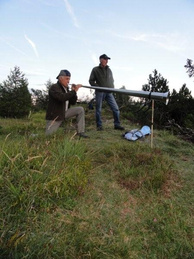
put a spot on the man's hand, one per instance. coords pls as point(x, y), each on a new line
point(75, 87)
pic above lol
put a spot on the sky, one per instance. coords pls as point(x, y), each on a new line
point(44, 36)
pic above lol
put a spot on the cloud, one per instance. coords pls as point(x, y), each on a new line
point(35, 73)
point(140, 37)
point(172, 41)
point(71, 13)
point(126, 68)
point(94, 57)
point(13, 47)
point(32, 44)
point(68, 36)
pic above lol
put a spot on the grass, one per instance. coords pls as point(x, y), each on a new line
point(103, 197)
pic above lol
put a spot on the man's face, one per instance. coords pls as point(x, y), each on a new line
point(64, 80)
point(103, 62)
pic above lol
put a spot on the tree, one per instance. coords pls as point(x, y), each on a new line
point(181, 107)
point(40, 97)
point(190, 67)
point(15, 99)
point(122, 99)
point(156, 83)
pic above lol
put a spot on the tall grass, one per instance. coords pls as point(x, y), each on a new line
point(38, 175)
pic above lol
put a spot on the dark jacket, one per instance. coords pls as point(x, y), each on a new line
point(57, 102)
point(101, 76)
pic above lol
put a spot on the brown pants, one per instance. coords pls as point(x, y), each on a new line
point(52, 126)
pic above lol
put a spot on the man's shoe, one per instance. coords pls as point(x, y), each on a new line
point(118, 127)
point(100, 128)
point(82, 135)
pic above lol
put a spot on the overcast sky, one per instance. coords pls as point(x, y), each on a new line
point(44, 36)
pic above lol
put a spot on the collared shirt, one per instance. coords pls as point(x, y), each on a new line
point(67, 102)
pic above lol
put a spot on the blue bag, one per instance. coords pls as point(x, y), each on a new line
point(135, 134)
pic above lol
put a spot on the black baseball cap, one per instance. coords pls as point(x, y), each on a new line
point(64, 72)
point(104, 56)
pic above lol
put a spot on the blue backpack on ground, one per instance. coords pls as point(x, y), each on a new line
point(135, 134)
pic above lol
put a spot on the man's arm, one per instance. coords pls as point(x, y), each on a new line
point(92, 79)
point(74, 87)
point(57, 93)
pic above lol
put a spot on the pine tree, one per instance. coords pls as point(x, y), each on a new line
point(181, 107)
point(190, 67)
point(15, 99)
point(156, 83)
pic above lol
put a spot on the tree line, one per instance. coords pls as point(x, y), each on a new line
point(16, 100)
point(180, 108)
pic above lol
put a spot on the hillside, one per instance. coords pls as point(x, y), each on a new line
point(103, 197)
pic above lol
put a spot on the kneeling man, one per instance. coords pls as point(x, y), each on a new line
point(60, 99)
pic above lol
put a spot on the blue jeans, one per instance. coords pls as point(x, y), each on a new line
point(109, 98)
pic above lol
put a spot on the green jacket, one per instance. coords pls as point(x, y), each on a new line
point(57, 102)
point(101, 76)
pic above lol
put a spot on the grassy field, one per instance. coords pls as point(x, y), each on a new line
point(103, 197)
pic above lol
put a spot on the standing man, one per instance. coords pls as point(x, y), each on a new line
point(102, 76)
point(60, 99)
